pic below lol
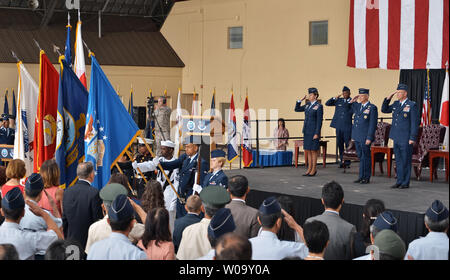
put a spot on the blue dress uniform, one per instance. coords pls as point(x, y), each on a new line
point(434, 246)
point(117, 246)
point(217, 178)
point(405, 127)
point(188, 168)
point(6, 133)
point(364, 127)
point(342, 122)
point(313, 122)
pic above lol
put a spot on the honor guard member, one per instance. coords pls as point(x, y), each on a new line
point(434, 246)
point(27, 243)
point(404, 130)
point(117, 246)
point(267, 246)
point(188, 165)
point(311, 128)
point(363, 132)
point(6, 133)
point(342, 122)
point(217, 177)
point(143, 156)
point(170, 197)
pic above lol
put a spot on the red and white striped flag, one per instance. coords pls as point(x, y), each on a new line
point(79, 66)
point(426, 107)
point(398, 34)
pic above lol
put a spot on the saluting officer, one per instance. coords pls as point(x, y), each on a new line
point(342, 122)
point(363, 132)
point(405, 127)
point(311, 128)
point(188, 165)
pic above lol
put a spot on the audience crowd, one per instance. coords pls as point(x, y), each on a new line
point(40, 220)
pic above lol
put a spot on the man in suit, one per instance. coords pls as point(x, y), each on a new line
point(363, 132)
point(6, 133)
point(342, 121)
point(188, 165)
point(194, 208)
point(341, 231)
point(245, 217)
point(405, 127)
point(81, 205)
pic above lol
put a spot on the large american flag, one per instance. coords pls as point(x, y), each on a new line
point(398, 34)
point(426, 107)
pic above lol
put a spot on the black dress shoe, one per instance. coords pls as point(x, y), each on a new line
point(395, 186)
point(403, 187)
point(312, 175)
point(341, 165)
point(357, 181)
point(365, 181)
point(307, 174)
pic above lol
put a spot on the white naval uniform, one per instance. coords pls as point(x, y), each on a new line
point(115, 247)
point(434, 246)
point(170, 197)
point(27, 243)
point(267, 246)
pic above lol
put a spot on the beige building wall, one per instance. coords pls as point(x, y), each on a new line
point(276, 63)
point(142, 79)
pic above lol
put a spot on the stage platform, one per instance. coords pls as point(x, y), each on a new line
point(408, 205)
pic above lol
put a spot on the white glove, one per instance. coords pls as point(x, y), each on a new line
point(134, 164)
point(197, 188)
point(156, 161)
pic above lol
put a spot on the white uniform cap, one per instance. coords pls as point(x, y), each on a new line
point(168, 143)
point(141, 141)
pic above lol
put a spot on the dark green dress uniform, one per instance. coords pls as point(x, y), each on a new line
point(405, 127)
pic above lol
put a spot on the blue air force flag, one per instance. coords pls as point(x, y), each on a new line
point(71, 121)
point(110, 130)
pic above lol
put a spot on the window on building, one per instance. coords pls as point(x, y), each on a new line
point(318, 32)
point(235, 35)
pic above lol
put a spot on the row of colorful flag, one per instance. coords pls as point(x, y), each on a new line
point(58, 118)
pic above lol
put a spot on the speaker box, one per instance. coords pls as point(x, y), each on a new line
point(139, 116)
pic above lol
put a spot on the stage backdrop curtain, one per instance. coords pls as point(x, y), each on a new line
point(411, 225)
point(415, 79)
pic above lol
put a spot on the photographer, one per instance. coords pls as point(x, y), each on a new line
point(161, 117)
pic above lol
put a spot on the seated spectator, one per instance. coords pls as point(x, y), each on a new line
point(101, 229)
point(267, 246)
point(434, 246)
point(15, 172)
point(341, 231)
point(157, 240)
point(194, 241)
point(194, 208)
point(385, 220)
point(220, 224)
point(245, 217)
point(8, 253)
point(27, 243)
point(62, 250)
point(361, 239)
point(317, 238)
point(390, 246)
point(153, 196)
point(50, 175)
point(117, 246)
point(233, 247)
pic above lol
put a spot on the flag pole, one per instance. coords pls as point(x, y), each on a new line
point(182, 200)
